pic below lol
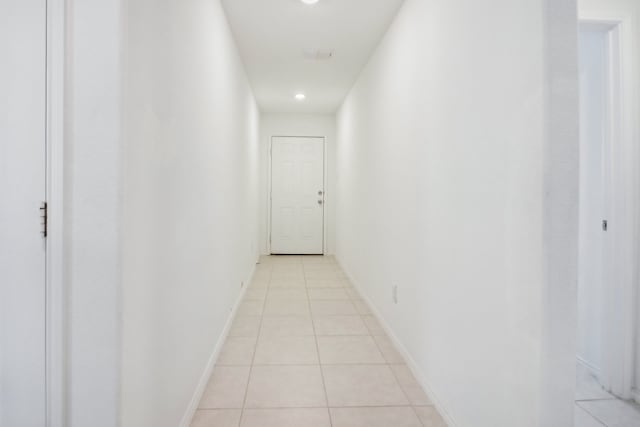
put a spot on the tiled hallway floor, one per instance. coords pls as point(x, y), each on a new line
point(597, 408)
point(305, 350)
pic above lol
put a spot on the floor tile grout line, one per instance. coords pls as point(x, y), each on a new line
point(592, 415)
point(418, 417)
point(598, 399)
point(255, 349)
point(413, 408)
point(320, 364)
point(321, 407)
point(315, 338)
point(389, 364)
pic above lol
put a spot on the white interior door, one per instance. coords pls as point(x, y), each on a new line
point(593, 130)
point(22, 190)
point(606, 286)
point(297, 195)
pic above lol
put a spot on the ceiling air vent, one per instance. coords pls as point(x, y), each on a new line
point(317, 54)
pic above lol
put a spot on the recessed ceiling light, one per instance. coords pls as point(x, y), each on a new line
point(300, 96)
point(309, 1)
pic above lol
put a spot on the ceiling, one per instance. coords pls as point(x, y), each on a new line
point(273, 35)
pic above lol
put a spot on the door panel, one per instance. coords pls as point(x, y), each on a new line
point(591, 287)
point(297, 195)
point(22, 190)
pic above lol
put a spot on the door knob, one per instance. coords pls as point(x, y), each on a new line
point(319, 202)
point(320, 193)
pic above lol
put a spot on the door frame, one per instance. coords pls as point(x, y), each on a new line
point(55, 304)
point(622, 186)
point(324, 183)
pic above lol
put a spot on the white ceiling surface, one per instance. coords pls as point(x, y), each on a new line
point(273, 34)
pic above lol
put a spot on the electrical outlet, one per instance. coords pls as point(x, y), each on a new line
point(394, 293)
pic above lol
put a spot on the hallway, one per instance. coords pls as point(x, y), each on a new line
point(301, 213)
point(305, 350)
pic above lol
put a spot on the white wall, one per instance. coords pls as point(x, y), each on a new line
point(446, 189)
point(274, 124)
point(190, 201)
point(628, 13)
point(591, 287)
point(93, 167)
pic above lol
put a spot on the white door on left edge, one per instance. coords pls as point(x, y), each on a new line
point(22, 191)
point(297, 195)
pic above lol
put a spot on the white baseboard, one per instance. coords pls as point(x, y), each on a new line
point(206, 374)
point(411, 364)
point(594, 370)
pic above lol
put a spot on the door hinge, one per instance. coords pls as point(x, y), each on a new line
point(44, 214)
point(605, 225)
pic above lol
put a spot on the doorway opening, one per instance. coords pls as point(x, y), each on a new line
point(607, 321)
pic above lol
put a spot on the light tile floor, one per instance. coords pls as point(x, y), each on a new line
point(305, 351)
point(597, 408)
